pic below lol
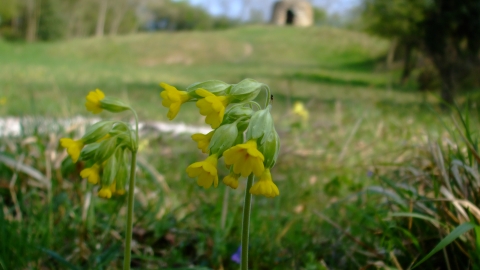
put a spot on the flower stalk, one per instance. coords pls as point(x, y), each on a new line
point(131, 192)
point(128, 233)
point(247, 206)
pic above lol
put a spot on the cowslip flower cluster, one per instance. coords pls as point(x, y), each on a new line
point(243, 132)
point(104, 146)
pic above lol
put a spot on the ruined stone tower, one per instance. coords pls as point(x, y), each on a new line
point(292, 12)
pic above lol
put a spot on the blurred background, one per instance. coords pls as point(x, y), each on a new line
point(376, 104)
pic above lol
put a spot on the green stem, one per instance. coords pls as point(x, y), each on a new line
point(136, 128)
point(256, 104)
point(246, 223)
point(128, 234)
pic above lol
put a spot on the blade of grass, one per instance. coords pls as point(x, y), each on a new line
point(60, 259)
point(457, 232)
point(434, 221)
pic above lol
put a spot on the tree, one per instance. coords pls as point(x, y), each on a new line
point(102, 14)
point(452, 40)
point(32, 11)
point(444, 30)
point(398, 20)
point(120, 9)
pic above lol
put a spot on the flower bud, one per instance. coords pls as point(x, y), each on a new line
point(122, 172)
point(236, 112)
point(246, 90)
point(106, 149)
point(125, 138)
point(113, 105)
point(119, 127)
point(223, 138)
point(270, 149)
point(215, 87)
point(110, 170)
point(97, 131)
point(260, 126)
point(89, 151)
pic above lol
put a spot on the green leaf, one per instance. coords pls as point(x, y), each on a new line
point(435, 222)
point(477, 239)
point(463, 228)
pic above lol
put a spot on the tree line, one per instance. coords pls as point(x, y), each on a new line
point(33, 20)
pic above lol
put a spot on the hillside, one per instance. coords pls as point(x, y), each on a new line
point(62, 72)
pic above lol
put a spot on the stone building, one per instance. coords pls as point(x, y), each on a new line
point(292, 12)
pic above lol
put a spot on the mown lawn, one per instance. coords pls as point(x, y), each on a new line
point(361, 125)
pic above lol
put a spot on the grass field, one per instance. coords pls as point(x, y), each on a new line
point(363, 129)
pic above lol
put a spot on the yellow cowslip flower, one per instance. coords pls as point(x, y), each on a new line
point(113, 186)
point(173, 99)
point(92, 174)
point(300, 110)
point(245, 159)
point(203, 140)
point(93, 101)
point(231, 180)
point(211, 106)
point(73, 147)
point(105, 192)
point(206, 171)
point(265, 186)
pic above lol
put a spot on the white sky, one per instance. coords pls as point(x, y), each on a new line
point(235, 8)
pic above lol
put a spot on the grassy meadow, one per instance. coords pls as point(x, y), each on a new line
point(365, 183)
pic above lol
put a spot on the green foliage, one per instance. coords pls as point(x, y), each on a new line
point(320, 15)
point(8, 10)
point(397, 18)
point(443, 30)
point(181, 15)
point(51, 24)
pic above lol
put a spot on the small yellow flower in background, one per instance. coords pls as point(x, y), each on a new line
point(105, 192)
point(92, 174)
point(173, 99)
point(203, 140)
point(231, 180)
point(265, 186)
point(73, 147)
point(300, 110)
point(245, 159)
point(206, 171)
point(211, 106)
point(93, 101)
point(3, 101)
point(143, 144)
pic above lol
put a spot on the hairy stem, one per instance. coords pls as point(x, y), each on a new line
point(128, 233)
point(246, 223)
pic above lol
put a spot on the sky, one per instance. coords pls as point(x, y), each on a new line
point(236, 8)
